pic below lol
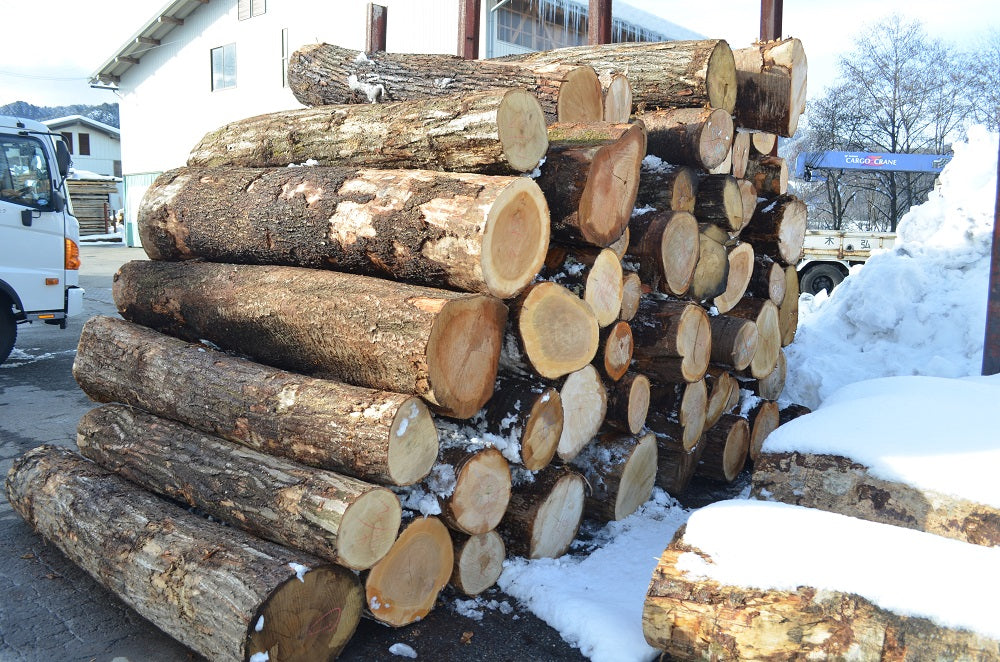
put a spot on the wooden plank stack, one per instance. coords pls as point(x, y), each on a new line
point(91, 199)
point(408, 358)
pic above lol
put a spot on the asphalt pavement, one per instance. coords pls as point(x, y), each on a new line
point(50, 610)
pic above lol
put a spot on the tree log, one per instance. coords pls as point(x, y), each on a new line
point(544, 515)
point(585, 406)
point(771, 84)
point(788, 313)
point(678, 410)
point(223, 593)
point(403, 587)
point(322, 74)
point(734, 341)
point(741, 260)
point(663, 74)
point(711, 272)
point(665, 330)
point(533, 412)
point(765, 315)
point(628, 403)
point(667, 245)
point(615, 354)
point(442, 346)
point(476, 233)
point(557, 329)
point(478, 561)
point(619, 245)
point(596, 276)
point(698, 137)
point(676, 464)
point(631, 294)
point(771, 385)
point(791, 412)
point(617, 98)
point(720, 201)
point(498, 132)
point(749, 194)
point(768, 174)
point(667, 187)
point(740, 154)
point(482, 490)
point(376, 436)
point(723, 396)
point(726, 446)
point(762, 143)
point(767, 280)
point(335, 517)
point(619, 469)
point(591, 189)
point(764, 419)
point(724, 168)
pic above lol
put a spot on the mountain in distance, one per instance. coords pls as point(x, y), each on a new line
point(106, 113)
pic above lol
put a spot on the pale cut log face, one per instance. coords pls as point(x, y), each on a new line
point(766, 422)
point(308, 618)
point(637, 477)
point(792, 233)
point(482, 492)
point(585, 406)
point(737, 445)
point(618, 350)
point(480, 562)
point(715, 140)
point(558, 329)
point(413, 443)
point(516, 238)
point(609, 196)
point(638, 404)
point(679, 251)
point(542, 431)
point(558, 518)
point(768, 343)
point(368, 528)
point(603, 291)
point(721, 82)
point(631, 294)
point(618, 100)
point(697, 341)
point(521, 127)
point(580, 97)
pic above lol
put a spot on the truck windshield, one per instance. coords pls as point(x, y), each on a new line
point(25, 178)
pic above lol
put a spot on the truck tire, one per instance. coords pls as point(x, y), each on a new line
point(819, 277)
point(8, 329)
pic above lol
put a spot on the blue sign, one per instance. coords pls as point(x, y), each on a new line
point(870, 161)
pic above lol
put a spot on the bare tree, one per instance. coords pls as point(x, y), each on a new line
point(984, 81)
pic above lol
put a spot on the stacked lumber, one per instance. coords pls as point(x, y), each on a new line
point(91, 203)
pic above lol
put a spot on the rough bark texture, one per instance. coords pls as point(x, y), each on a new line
point(771, 83)
point(558, 330)
point(477, 233)
point(342, 519)
point(585, 406)
point(619, 470)
point(734, 341)
point(767, 280)
point(667, 187)
point(482, 490)
point(768, 174)
point(665, 330)
point(741, 260)
point(842, 485)
point(321, 74)
point(403, 587)
point(544, 516)
point(663, 74)
point(591, 189)
point(696, 618)
point(376, 436)
point(151, 553)
point(442, 346)
point(667, 244)
point(628, 403)
point(697, 137)
point(533, 408)
point(726, 446)
point(478, 561)
point(676, 464)
point(499, 132)
point(792, 411)
point(719, 201)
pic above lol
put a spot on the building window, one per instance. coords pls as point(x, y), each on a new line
point(284, 57)
point(224, 67)
point(117, 168)
point(251, 8)
point(67, 137)
point(84, 141)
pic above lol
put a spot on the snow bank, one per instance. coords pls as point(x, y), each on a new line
point(805, 547)
point(919, 309)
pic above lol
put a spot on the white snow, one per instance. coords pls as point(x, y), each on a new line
point(260, 657)
point(403, 650)
point(948, 581)
point(259, 626)
point(300, 570)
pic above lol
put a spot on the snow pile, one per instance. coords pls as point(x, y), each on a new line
point(805, 547)
point(919, 309)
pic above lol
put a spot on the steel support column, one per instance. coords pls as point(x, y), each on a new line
point(468, 28)
point(599, 22)
point(991, 343)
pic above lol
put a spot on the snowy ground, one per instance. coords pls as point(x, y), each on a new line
point(917, 310)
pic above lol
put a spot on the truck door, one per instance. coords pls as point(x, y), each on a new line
point(32, 260)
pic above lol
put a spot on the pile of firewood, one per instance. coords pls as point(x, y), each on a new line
point(496, 297)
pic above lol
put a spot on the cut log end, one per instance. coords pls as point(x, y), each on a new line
point(580, 98)
point(309, 617)
point(617, 351)
point(542, 432)
point(521, 126)
point(558, 329)
point(638, 403)
point(618, 100)
point(740, 270)
point(637, 477)
point(603, 290)
point(558, 518)
point(609, 196)
point(463, 353)
point(368, 528)
point(716, 138)
point(413, 443)
point(482, 492)
point(585, 406)
point(403, 587)
point(478, 562)
point(631, 294)
point(679, 251)
point(695, 343)
point(737, 444)
point(516, 238)
point(721, 78)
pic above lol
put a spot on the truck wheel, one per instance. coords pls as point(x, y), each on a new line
point(8, 330)
point(821, 277)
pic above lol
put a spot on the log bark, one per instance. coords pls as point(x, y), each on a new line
point(377, 436)
point(723, 396)
point(764, 419)
point(617, 98)
point(678, 410)
point(596, 276)
point(544, 515)
point(768, 174)
point(764, 314)
point(672, 340)
point(741, 260)
point(530, 410)
point(631, 294)
point(663, 74)
point(322, 74)
point(478, 561)
point(791, 412)
point(628, 403)
point(403, 587)
point(342, 519)
point(667, 245)
point(585, 406)
point(771, 86)
point(788, 313)
point(615, 354)
point(734, 341)
point(619, 469)
point(767, 280)
point(476, 233)
point(591, 189)
point(771, 385)
point(667, 187)
point(557, 329)
point(711, 272)
point(150, 553)
point(676, 464)
point(481, 493)
point(442, 346)
point(720, 201)
point(726, 446)
point(691, 617)
point(740, 154)
point(698, 137)
point(587, 134)
point(844, 485)
point(497, 132)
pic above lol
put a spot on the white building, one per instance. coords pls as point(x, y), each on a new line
point(199, 64)
point(95, 147)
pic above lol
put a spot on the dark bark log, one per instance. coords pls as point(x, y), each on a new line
point(667, 245)
point(698, 137)
point(734, 341)
point(672, 340)
point(531, 411)
point(628, 403)
point(544, 515)
point(676, 464)
point(667, 187)
point(726, 446)
point(619, 470)
point(771, 84)
point(767, 280)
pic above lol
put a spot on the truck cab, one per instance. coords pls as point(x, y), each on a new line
point(828, 255)
point(39, 237)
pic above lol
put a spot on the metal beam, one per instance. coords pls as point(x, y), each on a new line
point(770, 19)
point(599, 22)
point(376, 28)
point(991, 343)
point(468, 28)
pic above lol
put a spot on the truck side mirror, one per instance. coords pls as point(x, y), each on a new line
point(62, 158)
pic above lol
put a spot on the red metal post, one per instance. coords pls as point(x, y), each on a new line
point(991, 343)
point(770, 19)
point(375, 34)
point(468, 28)
point(599, 22)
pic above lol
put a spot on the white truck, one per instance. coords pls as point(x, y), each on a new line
point(39, 237)
point(828, 255)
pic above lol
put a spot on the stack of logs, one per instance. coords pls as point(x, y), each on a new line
point(408, 333)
